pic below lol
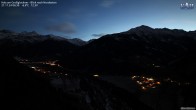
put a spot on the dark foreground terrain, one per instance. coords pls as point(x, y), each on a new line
point(26, 89)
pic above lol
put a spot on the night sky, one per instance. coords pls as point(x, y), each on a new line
point(89, 19)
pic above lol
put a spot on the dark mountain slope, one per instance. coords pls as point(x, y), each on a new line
point(183, 68)
point(136, 50)
point(77, 41)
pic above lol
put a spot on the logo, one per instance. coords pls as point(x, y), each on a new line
point(187, 5)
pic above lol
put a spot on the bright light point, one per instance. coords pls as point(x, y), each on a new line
point(133, 77)
point(33, 67)
point(158, 82)
point(143, 88)
point(140, 83)
point(52, 64)
point(96, 75)
point(150, 79)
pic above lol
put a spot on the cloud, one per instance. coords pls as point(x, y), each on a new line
point(66, 28)
point(98, 35)
point(107, 3)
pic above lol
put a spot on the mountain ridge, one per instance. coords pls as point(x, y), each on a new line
point(34, 37)
point(134, 51)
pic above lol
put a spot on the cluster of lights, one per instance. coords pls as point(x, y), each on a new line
point(50, 62)
point(36, 65)
point(176, 82)
point(20, 60)
point(45, 71)
point(40, 70)
point(146, 82)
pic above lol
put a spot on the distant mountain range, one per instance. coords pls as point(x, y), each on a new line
point(34, 44)
point(34, 37)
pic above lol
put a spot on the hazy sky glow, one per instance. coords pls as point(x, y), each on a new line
point(87, 19)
